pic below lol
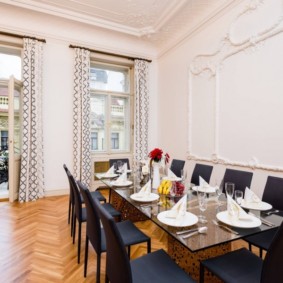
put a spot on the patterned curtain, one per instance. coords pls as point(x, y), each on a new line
point(141, 110)
point(32, 167)
point(81, 117)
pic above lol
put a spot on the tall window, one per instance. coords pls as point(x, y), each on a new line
point(110, 108)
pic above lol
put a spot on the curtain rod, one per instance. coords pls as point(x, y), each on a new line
point(22, 36)
point(107, 53)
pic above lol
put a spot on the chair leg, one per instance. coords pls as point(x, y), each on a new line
point(201, 273)
point(110, 191)
point(129, 251)
point(69, 212)
point(149, 246)
point(74, 228)
point(250, 247)
point(106, 279)
point(98, 264)
point(72, 219)
point(86, 255)
point(79, 241)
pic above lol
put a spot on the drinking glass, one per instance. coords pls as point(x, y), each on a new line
point(120, 165)
point(239, 196)
point(183, 175)
point(202, 201)
point(218, 192)
point(229, 188)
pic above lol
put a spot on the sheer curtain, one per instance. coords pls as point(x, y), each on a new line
point(141, 110)
point(32, 166)
point(81, 117)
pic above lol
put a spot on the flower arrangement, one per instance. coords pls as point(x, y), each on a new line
point(157, 155)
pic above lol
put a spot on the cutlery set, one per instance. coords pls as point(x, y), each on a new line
point(225, 227)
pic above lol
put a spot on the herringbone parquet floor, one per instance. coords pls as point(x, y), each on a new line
point(36, 246)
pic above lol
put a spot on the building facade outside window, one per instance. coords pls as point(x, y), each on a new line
point(111, 108)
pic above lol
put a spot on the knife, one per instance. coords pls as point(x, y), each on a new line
point(186, 231)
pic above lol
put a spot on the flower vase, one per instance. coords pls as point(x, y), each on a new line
point(155, 176)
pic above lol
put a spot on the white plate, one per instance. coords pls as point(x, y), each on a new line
point(256, 205)
point(144, 198)
point(188, 220)
point(252, 222)
point(127, 183)
point(175, 179)
point(109, 176)
point(208, 190)
point(128, 171)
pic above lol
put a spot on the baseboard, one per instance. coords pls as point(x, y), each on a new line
point(52, 193)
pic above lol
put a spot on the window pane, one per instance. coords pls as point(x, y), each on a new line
point(120, 123)
point(109, 78)
point(98, 122)
point(10, 65)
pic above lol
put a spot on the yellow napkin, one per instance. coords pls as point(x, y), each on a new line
point(250, 196)
point(179, 209)
point(242, 215)
point(109, 173)
point(145, 190)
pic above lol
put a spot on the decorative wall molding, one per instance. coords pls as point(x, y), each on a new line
point(209, 65)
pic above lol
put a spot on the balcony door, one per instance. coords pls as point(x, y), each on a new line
point(14, 121)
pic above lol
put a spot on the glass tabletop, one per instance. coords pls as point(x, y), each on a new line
point(214, 236)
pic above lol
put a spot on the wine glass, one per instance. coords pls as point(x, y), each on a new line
point(239, 196)
point(120, 166)
point(202, 201)
point(218, 192)
point(183, 175)
point(229, 188)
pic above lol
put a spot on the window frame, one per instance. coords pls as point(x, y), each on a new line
point(109, 94)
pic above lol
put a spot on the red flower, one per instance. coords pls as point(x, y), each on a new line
point(157, 154)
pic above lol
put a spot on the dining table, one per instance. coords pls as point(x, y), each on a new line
point(208, 239)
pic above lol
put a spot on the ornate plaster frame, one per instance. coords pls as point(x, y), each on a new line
point(211, 63)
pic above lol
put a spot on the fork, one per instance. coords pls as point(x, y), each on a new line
point(271, 212)
point(225, 227)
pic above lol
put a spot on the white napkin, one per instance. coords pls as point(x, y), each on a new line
point(122, 179)
point(242, 215)
point(203, 183)
point(171, 175)
point(250, 196)
point(179, 209)
point(125, 167)
point(110, 172)
point(145, 190)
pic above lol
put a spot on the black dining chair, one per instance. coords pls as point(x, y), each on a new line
point(130, 234)
point(80, 212)
point(95, 194)
point(202, 170)
point(245, 267)
point(273, 194)
point(177, 166)
point(241, 179)
point(156, 267)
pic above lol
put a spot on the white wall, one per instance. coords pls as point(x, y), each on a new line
point(233, 114)
point(58, 79)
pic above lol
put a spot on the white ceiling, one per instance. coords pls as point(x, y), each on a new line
point(160, 22)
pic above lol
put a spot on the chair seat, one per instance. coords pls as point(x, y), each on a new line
point(262, 240)
point(95, 194)
point(130, 233)
point(112, 210)
point(158, 267)
point(237, 266)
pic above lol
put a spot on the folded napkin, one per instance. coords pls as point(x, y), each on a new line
point(171, 175)
point(250, 196)
point(179, 209)
point(232, 205)
point(203, 183)
point(122, 179)
point(110, 172)
point(125, 167)
point(145, 190)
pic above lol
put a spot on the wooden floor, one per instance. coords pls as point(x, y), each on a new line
point(35, 243)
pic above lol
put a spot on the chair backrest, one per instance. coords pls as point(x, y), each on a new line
point(124, 160)
point(176, 166)
point(118, 268)
point(272, 270)
point(93, 228)
point(241, 179)
point(273, 192)
point(77, 197)
point(202, 170)
point(72, 198)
